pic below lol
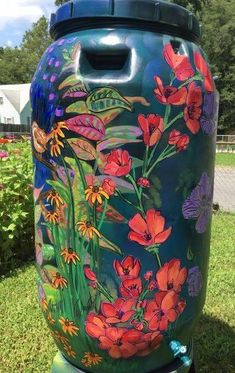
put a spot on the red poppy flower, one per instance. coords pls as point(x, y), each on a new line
point(118, 163)
point(128, 268)
point(202, 66)
point(169, 95)
point(96, 325)
point(153, 340)
point(131, 288)
point(180, 64)
point(171, 276)
point(162, 310)
point(109, 186)
point(152, 127)
point(89, 274)
point(143, 182)
point(180, 141)
point(120, 311)
point(150, 231)
point(121, 342)
point(192, 111)
point(148, 275)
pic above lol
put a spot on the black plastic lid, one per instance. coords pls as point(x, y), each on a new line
point(148, 14)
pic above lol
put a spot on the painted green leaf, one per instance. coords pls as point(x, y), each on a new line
point(79, 107)
point(76, 91)
point(105, 243)
point(52, 294)
point(48, 272)
point(114, 142)
point(83, 149)
point(125, 132)
point(71, 81)
point(103, 99)
point(136, 162)
point(48, 253)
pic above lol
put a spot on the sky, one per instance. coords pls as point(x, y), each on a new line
point(17, 16)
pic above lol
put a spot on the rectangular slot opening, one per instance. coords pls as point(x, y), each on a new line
point(114, 60)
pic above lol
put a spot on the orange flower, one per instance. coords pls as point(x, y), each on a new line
point(61, 338)
point(52, 217)
point(59, 281)
point(95, 193)
point(56, 146)
point(68, 326)
point(50, 319)
point(44, 304)
point(90, 359)
point(87, 229)
point(57, 130)
point(70, 256)
point(69, 351)
point(54, 197)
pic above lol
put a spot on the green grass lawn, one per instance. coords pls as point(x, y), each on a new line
point(26, 346)
point(225, 159)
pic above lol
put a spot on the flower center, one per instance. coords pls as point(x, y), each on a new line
point(119, 314)
point(58, 275)
point(95, 189)
point(54, 193)
point(167, 92)
point(88, 224)
point(148, 236)
point(70, 251)
point(126, 270)
point(170, 286)
point(119, 342)
point(191, 111)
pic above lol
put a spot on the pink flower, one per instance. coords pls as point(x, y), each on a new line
point(143, 182)
point(118, 163)
point(89, 274)
point(109, 186)
point(3, 154)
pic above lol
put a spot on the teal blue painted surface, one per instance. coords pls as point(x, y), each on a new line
point(26, 113)
point(124, 168)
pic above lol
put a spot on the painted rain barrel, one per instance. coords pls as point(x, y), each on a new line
point(124, 113)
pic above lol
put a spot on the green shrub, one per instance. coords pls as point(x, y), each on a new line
point(16, 204)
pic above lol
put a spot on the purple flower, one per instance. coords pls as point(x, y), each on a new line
point(45, 76)
point(59, 111)
point(209, 116)
point(60, 42)
point(53, 78)
point(57, 63)
point(52, 96)
point(194, 281)
point(198, 205)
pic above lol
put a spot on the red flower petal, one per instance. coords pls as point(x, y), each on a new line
point(179, 97)
point(202, 66)
point(138, 224)
point(163, 236)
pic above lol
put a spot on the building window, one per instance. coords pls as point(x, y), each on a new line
point(1, 100)
point(10, 120)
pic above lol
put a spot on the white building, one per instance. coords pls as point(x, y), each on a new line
point(15, 104)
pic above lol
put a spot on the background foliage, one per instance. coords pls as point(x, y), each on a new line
point(16, 201)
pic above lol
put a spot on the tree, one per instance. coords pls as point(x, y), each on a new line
point(218, 21)
point(17, 65)
point(60, 2)
point(196, 6)
point(34, 43)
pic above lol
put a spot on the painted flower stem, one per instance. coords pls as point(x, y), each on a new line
point(138, 194)
point(196, 77)
point(165, 154)
point(158, 260)
point(174, 120)
point(127, 200)
point(146, 157)
point(103, 214)
point(104, 291)
point(72, 200)
point(79, 165)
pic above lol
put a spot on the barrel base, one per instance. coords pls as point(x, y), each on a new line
point(61, 365)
